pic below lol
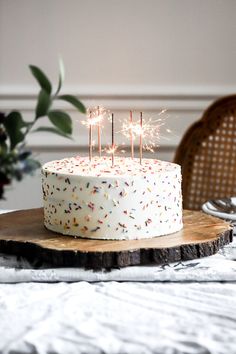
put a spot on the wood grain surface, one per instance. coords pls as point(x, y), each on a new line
point(23, 233)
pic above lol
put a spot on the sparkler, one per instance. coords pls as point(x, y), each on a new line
point(131, 135)
point(149, 132)
point(95, 117)
point(141, 139)
point(90, 138)
point(146, 129)
point(99, 133)
point(112, 139)
point(112, 149)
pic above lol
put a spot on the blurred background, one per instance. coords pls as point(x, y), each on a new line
point(147, 55)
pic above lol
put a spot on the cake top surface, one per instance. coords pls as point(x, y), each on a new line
point(102, 167)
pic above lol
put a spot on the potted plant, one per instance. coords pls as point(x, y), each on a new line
point(16, 160)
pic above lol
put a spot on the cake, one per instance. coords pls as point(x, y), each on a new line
point(127, 201)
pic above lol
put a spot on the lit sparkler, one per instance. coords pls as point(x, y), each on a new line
point(90, 139)
point(99, 133)
point(92, 118)
point(141, 138)
point(112, 138)
point(148, 132)
point(131, 134)
point(95, 116)
point(111, 150)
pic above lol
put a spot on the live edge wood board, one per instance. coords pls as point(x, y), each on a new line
point(22, 233)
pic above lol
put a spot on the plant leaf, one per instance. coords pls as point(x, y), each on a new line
point(51, 130)
point(41, 78)
point(61, 120)
point(61, 76)
point(13, 125)
point(74, 101)
point(3, 150)
point(44, 102)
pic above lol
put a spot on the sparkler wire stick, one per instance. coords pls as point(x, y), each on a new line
point(99, 135)
point(131, 135)
point(141, 139)
point(90, 138)
point(112, 139)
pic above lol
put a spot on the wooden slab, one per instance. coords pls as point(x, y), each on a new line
point(22, 233)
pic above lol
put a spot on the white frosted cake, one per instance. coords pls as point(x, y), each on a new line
point(98, 201)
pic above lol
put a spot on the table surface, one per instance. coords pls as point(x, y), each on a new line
point(174, 316)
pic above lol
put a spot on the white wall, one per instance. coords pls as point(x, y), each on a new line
point(124, 54)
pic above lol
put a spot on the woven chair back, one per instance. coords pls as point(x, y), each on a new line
point(207, 155)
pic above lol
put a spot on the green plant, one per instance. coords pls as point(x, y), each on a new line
point(15, 159)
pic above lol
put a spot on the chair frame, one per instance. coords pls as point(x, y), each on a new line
point(194, 137)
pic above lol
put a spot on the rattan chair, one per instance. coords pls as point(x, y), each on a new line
point(207, 155)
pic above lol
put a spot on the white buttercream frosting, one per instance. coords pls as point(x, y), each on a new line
point(126, 201)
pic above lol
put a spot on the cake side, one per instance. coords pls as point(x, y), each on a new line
point(127, 201)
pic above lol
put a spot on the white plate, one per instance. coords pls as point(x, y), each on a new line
point(209, 209)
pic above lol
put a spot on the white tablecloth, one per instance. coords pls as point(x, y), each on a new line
point(115, 318)
point(187, 307)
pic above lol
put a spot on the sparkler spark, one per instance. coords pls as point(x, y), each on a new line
point(95, 116)
point(111, 149)
point(150, 130)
